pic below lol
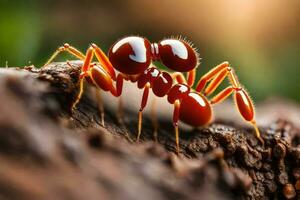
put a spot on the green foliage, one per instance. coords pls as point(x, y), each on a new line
point(20, 33)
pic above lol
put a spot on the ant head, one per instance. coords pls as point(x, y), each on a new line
point(177, 55)
point(131, 55)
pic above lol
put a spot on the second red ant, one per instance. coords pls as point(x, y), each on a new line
point(132, 57)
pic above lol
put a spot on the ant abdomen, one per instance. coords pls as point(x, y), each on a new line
point(195, 110)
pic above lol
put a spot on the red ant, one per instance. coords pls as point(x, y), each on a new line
point(132, 57)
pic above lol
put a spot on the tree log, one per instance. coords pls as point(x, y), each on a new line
point(48, 151)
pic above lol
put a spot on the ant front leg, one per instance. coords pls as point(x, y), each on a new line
point(84, 72)
point(143, 105)
point(70, 49)
point(101, 76)
point(102, 80)
point(104, 61)
point(87, 61)
point(241, 97)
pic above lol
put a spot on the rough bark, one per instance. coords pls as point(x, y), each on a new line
point(50, 152)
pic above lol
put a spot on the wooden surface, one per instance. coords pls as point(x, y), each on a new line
point(49, 152)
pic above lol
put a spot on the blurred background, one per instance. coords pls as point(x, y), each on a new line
point(261, 39)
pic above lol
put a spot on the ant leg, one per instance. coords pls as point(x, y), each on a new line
point(84, 72)
point(100, 105)
point(102, 58)
point(209, 75)
point(178, 76)
point(102, 80)
point(120, 113)
point(175, 123)
point(154, 119)
point(104, 61)
point(241, 97)
point(68, 48)
point(79, 95)
point(222, 95)
point(243, 103)
point(191, 76)
point(143, 105)
point(119, 86)
point(117, 91)
point(216, 81)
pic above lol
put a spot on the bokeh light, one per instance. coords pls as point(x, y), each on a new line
point(261, 39)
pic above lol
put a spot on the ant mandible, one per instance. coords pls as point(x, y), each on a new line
point(132, 57)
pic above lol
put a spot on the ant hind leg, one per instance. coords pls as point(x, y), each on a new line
point(242, 99)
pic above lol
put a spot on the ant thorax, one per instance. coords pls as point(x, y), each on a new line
point(160, 82)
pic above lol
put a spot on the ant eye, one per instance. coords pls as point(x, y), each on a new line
point(177, 55)
point(131, 55)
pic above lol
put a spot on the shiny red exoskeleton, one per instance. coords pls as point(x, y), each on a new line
point(180, 95)
point(133, 57)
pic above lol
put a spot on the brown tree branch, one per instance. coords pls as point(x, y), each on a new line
point(49, 152)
